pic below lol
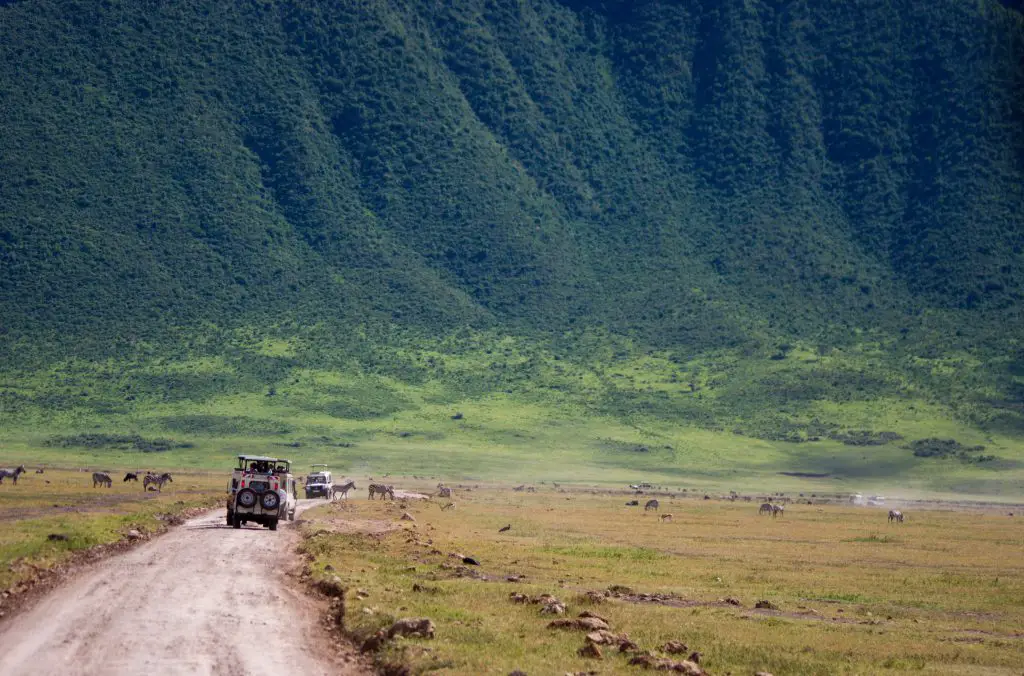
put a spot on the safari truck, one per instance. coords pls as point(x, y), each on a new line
point(318, 482)
point(262, 490)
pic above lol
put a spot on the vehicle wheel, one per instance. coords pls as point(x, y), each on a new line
point(236, 521)
point(246, 498)
point(273, 525)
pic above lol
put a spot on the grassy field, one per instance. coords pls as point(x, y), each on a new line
point(851, 593)
point(492, 406)
point(64, 503)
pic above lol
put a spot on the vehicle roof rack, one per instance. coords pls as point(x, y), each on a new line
point(263, 458)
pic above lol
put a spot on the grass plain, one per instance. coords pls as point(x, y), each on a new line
point(853, 594)
point(64, 503)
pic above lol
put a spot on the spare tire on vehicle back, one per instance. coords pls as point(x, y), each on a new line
point(246, 498)
point(270, 500)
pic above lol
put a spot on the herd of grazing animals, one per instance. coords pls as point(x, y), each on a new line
point(98, 478)
point(157, 481)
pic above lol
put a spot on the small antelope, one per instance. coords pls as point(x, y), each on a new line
point(665, 517)
point(450, 505)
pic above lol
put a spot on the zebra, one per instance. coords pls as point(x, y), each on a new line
point(101, 479)
point(13, 473)
point(766, 508)
point(895, 515)
point(156, 480)
point(778, 510)
point(651, 504)
point(343, 489)
point(444, 492)
point(130, 476)
point(384, 490)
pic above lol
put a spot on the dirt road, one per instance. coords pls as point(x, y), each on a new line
point(202, 599)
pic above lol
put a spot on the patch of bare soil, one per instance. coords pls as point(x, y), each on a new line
point(408, 495)
point(341, 520)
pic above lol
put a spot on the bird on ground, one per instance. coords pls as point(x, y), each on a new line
point(502, 530)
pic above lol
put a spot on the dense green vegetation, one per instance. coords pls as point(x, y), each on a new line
point(785, 220)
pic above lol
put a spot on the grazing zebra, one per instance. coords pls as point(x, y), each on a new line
point(444, 492)
point(156, 480)
point(101, 479)
point(665, 517)
point(766, 508)
point(130, 476)
point(651, 504)
point(13, 473)
point(895, 515)
point(778, 510)
point(343, 489)
point(384, 490)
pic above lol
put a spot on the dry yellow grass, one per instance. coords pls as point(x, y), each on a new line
point(941, 593)
point(64, 503)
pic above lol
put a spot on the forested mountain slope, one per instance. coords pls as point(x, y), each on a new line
point(698, 175)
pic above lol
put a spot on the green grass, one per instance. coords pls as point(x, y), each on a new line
point(64, 503)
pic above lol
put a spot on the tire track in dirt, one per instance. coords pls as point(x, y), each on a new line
point(202, 599)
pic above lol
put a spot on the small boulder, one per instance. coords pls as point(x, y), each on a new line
point(591, 623)
point(133, 534)
point(57, 537)
point(553, 608)
point(516, 597)
point(587, 613)
point(374, 643)
point(331, 586)
point(562, 624)
point(603, 637)
point(421, 627)
point(406, 516)
point(590, 650)
point(767, 605)
point(675, 648)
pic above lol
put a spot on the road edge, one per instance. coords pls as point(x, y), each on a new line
point(25, 594)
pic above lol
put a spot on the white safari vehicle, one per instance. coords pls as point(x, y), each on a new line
point(262, 490)
point(318, 482)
